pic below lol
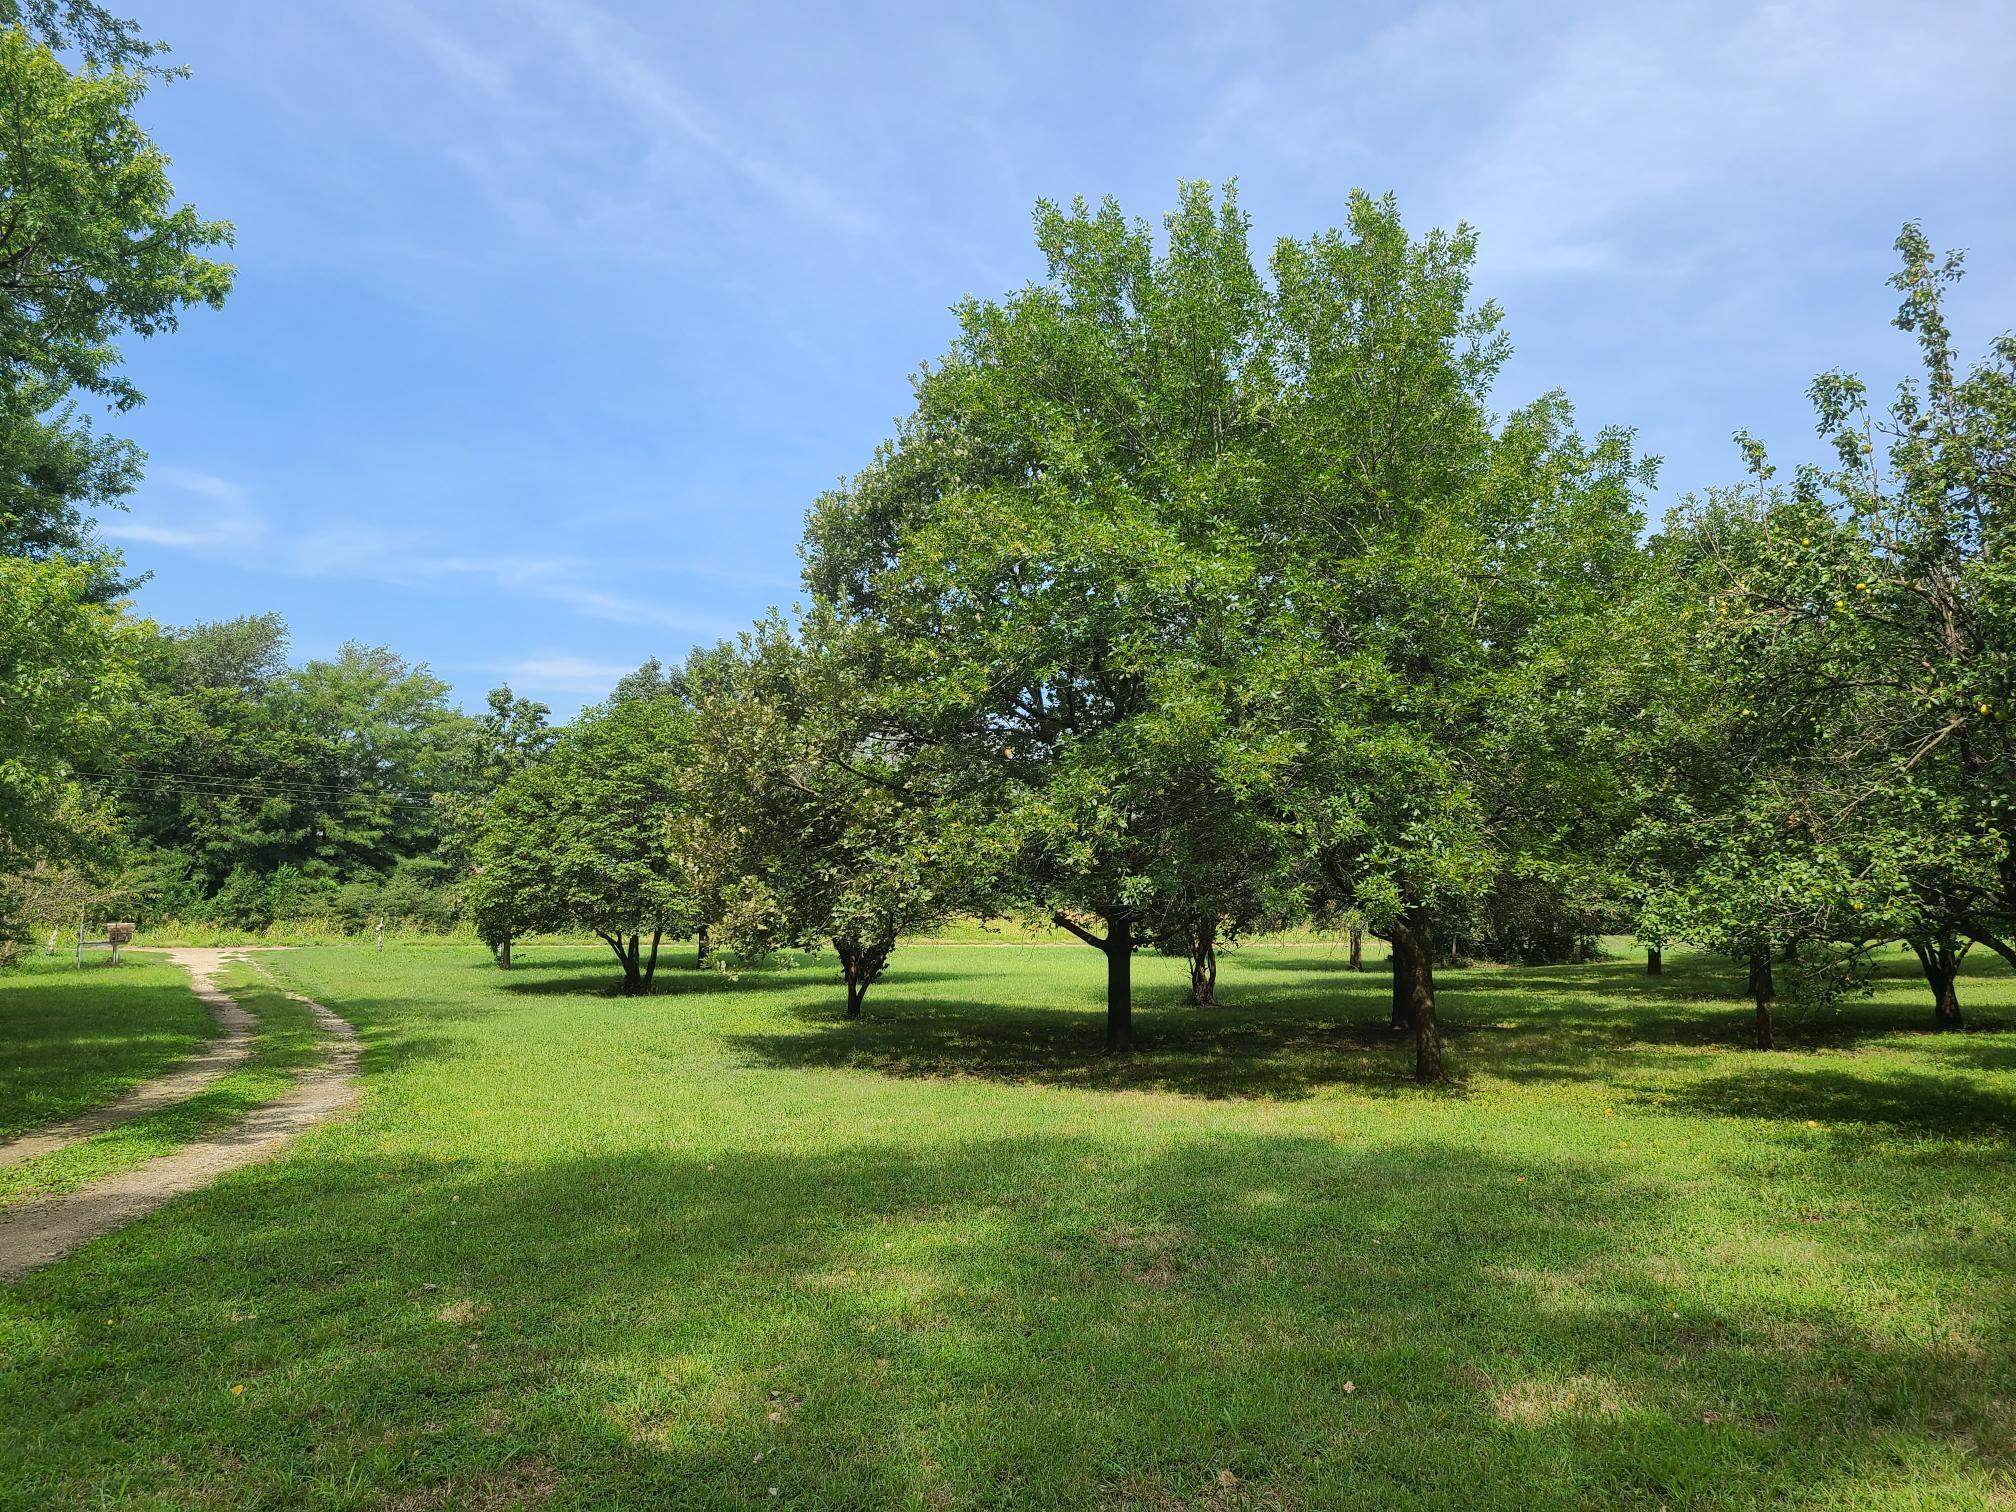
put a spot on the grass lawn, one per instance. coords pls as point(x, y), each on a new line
point(583, 1251)
point(73, 1037)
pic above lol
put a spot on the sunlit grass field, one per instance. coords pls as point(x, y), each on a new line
point(719, 1247)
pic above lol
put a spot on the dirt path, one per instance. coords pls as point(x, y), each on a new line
point(232, 1044)
point(35, 1233)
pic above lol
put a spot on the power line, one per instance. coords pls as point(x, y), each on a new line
point(203, 784)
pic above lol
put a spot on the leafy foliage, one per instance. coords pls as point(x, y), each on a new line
point(595, 837)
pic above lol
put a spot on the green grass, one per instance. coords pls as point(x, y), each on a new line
point(74, 1037)
point(585, 1251)
point(284, 1043)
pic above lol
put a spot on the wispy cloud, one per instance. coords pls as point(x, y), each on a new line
point(616, 58)
point(565, 674)
point(636, 151)
point(218, 519)
point(1635, 110)
point(201, 512)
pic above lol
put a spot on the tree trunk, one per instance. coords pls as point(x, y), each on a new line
point(861, 966)
point(1420, 978)
point(1204, 965)
point(651, 966)
point(1119, 948)
point(626, 957)
point(850, 972)
point(1400, 955)
point(1655, 961)
point(504, 954)
point(1119, 982)
point(1357, 948)
point(1941, 961)
point(705, 948)
point(1763, 992)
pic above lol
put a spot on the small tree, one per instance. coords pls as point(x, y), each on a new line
point(808, 831)
point(595, 837)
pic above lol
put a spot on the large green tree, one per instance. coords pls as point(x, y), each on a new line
point(1048, 612)
point(1434, 588)
point(1164, 535)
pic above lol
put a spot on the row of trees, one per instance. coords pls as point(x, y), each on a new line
point(1192, 597)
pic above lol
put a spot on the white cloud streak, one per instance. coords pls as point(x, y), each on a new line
point(212, 517)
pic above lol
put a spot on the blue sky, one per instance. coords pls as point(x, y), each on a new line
point(553, 315)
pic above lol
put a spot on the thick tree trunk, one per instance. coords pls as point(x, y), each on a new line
point(1119, 949)
point(1357, 948)
point(651, 966)
point(1420, 978)
point(1400, 954)
point(1655, 961)
point(1119, 982)
point(504, 954)
point(1204, 965)
point(704, 948)
point(1941, 960)
point(1763, 992)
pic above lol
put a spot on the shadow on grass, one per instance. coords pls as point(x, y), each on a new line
point(1909, 1101)
point(1047, 1321)
point(72, 1039)
point(1287, 1029)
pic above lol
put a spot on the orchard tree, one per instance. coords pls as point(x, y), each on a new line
point(1433, 587)
point(810, 832)
point(1926, 495)
point(1035, 573)
point(596, 837)
point(1865, 621)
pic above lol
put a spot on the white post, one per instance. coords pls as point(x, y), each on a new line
point(381, 937)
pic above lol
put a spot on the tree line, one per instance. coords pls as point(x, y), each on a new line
point(1202, 590)
point(1195, 597)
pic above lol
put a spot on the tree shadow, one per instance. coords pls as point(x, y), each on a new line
point(1909, 1101)
point(1037, 1320)
point(1255, 1049)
